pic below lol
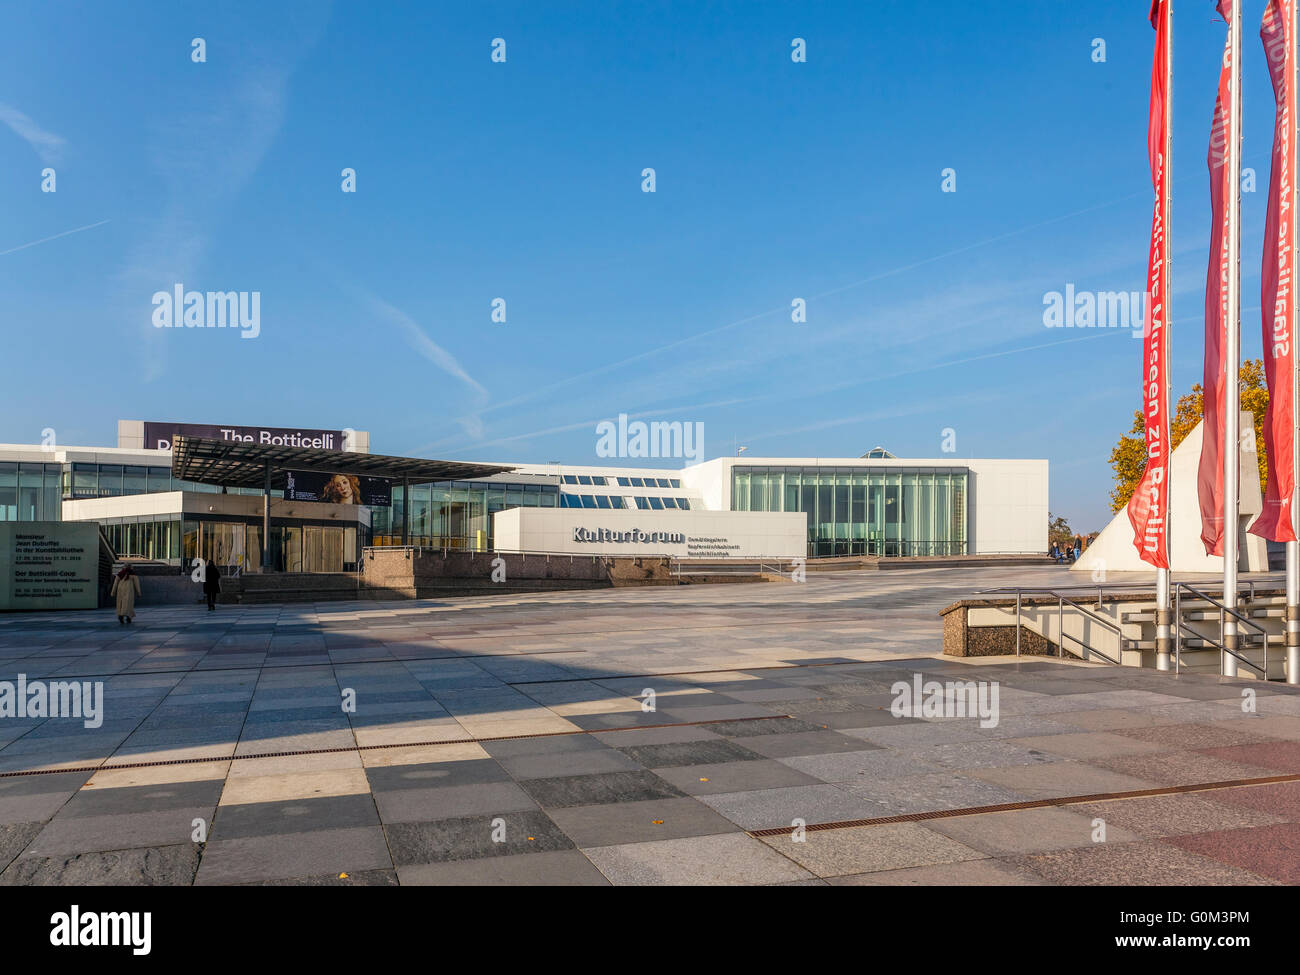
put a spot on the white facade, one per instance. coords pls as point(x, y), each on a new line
point(991, 505)
point(682, 534)
point(1007, 505)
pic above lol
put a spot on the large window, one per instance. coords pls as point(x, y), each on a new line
point(458, 514)
point(30, 492)
point(861, 511)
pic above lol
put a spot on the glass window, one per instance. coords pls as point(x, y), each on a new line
point(584, 479)
point(657, 504)
point(85, 481)
point(740, 492)
point(674, 482)
point(643, 504)
point(684, 503)
point(31, 493)
point(570, 479)
point(588, 501)
point(110, 480)
point(618, 502)
point(134, 480)
point(598, 480)
point(602, 501)
point(8, 492)
point(637, 481)
point(624, 482)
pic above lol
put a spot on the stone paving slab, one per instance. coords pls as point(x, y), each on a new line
point(720, 859)
point(1140, 864)
point(868, 849)
point(503, 740)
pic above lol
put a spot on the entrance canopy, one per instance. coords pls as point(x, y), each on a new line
point(239, 464)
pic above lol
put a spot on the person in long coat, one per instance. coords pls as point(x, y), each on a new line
point(126, 586)
point(211, 583)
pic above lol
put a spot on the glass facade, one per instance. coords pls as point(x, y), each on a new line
point(30, 492)
point(455, 514)
point(35, 492)
point(236, 545)
point(145, 538)
point(82, 481)
point(863, 511)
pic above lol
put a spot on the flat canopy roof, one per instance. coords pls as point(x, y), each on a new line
point(238, 464)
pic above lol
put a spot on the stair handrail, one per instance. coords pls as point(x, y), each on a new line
point(1061, 601)
point(1263, 672)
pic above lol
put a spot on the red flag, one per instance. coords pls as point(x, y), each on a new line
point(1209, 479)
point(1276, 300)
point(1148, 507)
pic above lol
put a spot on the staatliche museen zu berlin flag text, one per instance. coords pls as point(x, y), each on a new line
point(1147, 509)
point(1209, 479)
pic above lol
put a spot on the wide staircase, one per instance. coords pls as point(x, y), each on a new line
point(1117, 625)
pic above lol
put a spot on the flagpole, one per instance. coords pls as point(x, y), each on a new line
point(1293, 548)
point(1232, 397)
point(1164, 610)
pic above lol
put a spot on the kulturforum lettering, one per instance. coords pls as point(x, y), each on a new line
point(632, 535)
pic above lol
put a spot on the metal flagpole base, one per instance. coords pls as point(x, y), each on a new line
point(1293, 612)
point(1164, 619)
point(1229, 661)
point(1164, 640)
point(1293, 644)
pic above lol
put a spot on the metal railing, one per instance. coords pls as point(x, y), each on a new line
point(730, 567)
point(1061, 601)
point(1103, 590)
point(1263, 581)
point(1224, 612)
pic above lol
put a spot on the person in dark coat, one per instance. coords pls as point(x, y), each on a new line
point(211, 584)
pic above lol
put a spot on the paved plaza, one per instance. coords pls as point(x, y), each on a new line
point(503, 740)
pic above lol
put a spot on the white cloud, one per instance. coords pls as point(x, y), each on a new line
point(47, 145)
point(420, 342)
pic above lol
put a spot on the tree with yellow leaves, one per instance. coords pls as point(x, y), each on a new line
point(1129, 458)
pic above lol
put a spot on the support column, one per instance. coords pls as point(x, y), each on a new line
point(1164, 623)
point(1292, 615)
point(266, 518)
point(1163, 611)
point(406, 511)
point(1292, 626)
point(1232, 351)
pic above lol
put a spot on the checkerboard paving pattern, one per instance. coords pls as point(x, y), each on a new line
point(505, 740)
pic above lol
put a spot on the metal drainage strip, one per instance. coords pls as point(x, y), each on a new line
point(1171, 790)
point(366, 748)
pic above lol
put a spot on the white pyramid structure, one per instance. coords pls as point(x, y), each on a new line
point(1113, 550)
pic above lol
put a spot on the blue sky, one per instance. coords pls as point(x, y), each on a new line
point(522, 180)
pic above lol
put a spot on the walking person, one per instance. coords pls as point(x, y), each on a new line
point(126, 586)
point(211, 584)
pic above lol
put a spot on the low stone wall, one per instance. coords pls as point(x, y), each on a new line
point(398, 573)
point(962, 640)
point(290, 587)
point(162, 585)
point(401, 573)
